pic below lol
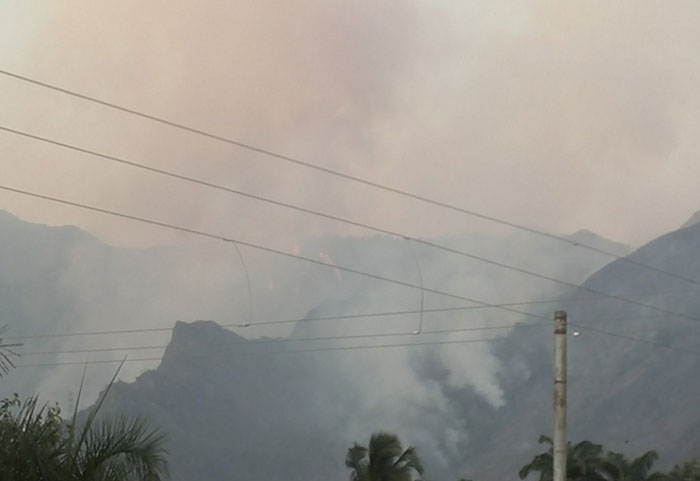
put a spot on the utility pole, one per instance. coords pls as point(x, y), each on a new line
point(559, 440)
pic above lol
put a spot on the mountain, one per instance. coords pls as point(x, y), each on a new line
point(34, 296)
point(59, 281)
point(251, 409)
point(694, 219)
point(241, 408)
point(231, 411)
point(630, 369)
point(243, 405)
point(652, 378)
point(592, 239)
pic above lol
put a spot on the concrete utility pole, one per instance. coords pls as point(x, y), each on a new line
point(559, 439)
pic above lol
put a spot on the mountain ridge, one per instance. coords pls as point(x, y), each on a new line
point(233, 405)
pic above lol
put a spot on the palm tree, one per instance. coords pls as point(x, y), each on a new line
point(387, 461)
point(30, 439)
point(112, 450)
point(688, 471)
point(616, 467)
point(583, 462)
point(36, 444)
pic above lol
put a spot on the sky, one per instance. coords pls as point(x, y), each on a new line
point(556, 115)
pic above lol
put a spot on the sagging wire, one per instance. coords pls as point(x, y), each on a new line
point(248, 285)
point(422, 290)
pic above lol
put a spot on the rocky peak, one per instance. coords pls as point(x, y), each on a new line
point(694, 219)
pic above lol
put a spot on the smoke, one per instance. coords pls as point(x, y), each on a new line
point(429, 394)
point(540, 113)
point(558, 116)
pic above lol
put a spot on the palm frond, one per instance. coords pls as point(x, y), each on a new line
point(71, 446)
point(355, 456)
point(6, 354)
point(383, 460)
point(410, 460)
point(383, 449)
point(541, 463)
point(31, 436)
point(75, 447)
point(122, 449)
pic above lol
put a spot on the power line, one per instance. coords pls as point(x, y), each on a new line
point(339, 219)
point(422, 293)
point(353, 316)
point(91, 350)
point(262, 248)
point(375, 346)
point(324, 215)
point(290, 339)
point(345, 176)
point(659, 345)
point(271, 322)
point(340, 337)
point(247, 280)
point(345, 337)
point(289, 351)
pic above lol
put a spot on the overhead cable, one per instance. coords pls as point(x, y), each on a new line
point(348, 316)
point(367, 226)
point(263, 249)
point(290, 351)
point(346, 176)
point(286, 340)
point(375, 346)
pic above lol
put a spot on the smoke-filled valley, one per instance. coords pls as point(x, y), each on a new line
point(239, 401)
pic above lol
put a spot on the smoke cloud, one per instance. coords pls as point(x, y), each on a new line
point(558, 116)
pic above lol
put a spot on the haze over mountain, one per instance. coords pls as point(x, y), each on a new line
point(303, 130)
point(62, 280)
point(630, 365)
point(237, 407)
point(694, 219)
point(241, 409)
point(59, 280)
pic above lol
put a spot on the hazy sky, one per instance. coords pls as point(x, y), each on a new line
point(558, 115)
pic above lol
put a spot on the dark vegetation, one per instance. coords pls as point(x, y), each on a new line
point(38, 444)
point(386, 460)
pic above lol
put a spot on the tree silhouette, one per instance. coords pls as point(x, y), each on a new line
point(36, 444)
point(583, 462)
point(384, 460)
